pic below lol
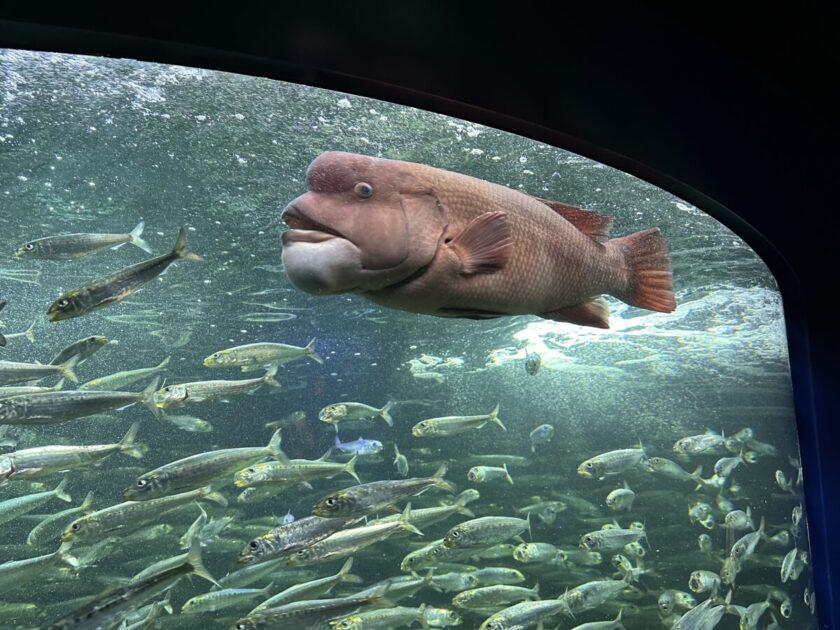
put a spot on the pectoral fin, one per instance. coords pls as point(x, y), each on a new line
point(485, 245)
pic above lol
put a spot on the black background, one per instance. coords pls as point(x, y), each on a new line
point(734, 109)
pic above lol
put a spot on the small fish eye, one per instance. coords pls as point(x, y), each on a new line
point(456, 534)
point(29, 247)
point(141, 483)
point(363, 190)
point(75, 527)
point(63, 303)
point(331, 501)
point(589, 464)
point(254, 545)
point(252, 470)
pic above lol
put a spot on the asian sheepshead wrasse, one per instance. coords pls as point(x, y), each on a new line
point(426, 240)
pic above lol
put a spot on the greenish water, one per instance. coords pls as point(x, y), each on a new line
point(94, 145)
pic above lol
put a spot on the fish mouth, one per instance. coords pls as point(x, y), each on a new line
point(305, 229)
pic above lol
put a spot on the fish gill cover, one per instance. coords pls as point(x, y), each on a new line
point(687, 415)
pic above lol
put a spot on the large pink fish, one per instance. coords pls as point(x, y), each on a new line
point(426, 240)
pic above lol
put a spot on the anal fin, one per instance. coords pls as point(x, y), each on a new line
point(593, 313)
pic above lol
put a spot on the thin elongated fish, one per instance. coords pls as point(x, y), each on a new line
point(28, 334)
point(118, 285)
point(452, 425)
point(221, 599)
point(198, 470)
point(611, 463)
point(16, 390)
point(485, 531)
point(307, 614)
point(2, 338)
point(371, 497)
point(349, 411)
point(107, 610)
point(17, 572)
point(202, 391)
point(13, 372)
point(349, 541)
point(51, 527)
point(10, 509)
point(293, 471)
point(83, 349)
point(119, 380)
point(393, 617)
point(425, 517)
point(523, 615)
point(290, 537)
point(254, 356)
point(42, 461)
point(70, 246)
point(131, 515)
point(611, 539)
point(310, 590)
point(51, 407)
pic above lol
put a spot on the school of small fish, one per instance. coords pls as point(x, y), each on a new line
point(575, 549)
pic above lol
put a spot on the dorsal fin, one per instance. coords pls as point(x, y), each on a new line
point(594, 224)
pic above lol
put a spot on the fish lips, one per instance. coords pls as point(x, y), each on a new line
point(316, 260)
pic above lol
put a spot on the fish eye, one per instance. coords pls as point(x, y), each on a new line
point(332, 501)
point(363, 190)
point(254, 545)
point(141, 483)
point(76, 527)
point(63, 303)
point(589, 465)
point(252, 470)
point(456, 534)
point(29, 247)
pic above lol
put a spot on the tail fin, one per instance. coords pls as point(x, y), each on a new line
point(60, 493)
point(461, 505)
point(147, 397)
point(385, 415)
point(28, 332)
point(508, 478)
point(163, 364)
point(344, 575)
point(196, 565)
point(84, 508)
point(494, 418)
point(136, 240)
point(405, 521)
point(64, 554)
point(440, 482)
point(129, 446)
point(697, 474)
point(647, 269)
point(350, 468)
point(68, 367)
point(274, 447)
point(312, 354)
point(268, 377)
point(180, 249)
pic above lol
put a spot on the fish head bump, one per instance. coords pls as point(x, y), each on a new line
point(65, 307)
point(363, 224)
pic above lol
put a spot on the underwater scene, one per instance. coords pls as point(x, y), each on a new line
point(278, 357)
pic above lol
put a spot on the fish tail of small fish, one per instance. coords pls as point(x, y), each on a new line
point(268, 377)
point(60, 493)
point(421, 616)
point(164, 363)
point(508, 478)
point(646, 278)
point(129, 446)
point(147, 397)
point(461, 507)
point(494, 418)
point(697, 474)
point(64, 554)
point(528, 521)
point(274, 446)
point(440, 482)
point(180, 249)
point(2, 341)
point(216, 497)
point(536, 590)
point(28, 332)
point(196, 564)
point(350, 468)
point(84, 508)
point(135, 238)
point(384, 412)
point(68, 368)
point(312, 353)
point(405, 521)
point(344, 574)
